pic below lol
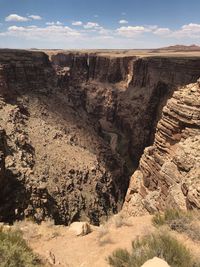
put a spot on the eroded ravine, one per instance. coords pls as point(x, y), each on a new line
point(57, 153)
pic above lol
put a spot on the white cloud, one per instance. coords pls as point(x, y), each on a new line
point(162, 32)
point(191, 30)
point(16, 18)
point(132, 31)
point(91, 25)
point(51, 33)
point(52, 23)
point(123, 21)
point(94, 35)
point(105, 32)
point(77, 23)
point(35, 17)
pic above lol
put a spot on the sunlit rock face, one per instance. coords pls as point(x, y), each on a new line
point(74, 128)
point(169, 171)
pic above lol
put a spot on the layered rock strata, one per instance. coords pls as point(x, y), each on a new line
point(131, 98)
point(74, 126)
point(169, 171)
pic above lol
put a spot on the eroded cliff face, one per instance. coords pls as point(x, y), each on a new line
point(57, 164)
point(169, 172)
point(84, 67)
point(76, 127)
point(132, 100)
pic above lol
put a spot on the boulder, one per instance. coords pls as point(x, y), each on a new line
point(80, 228)
point(155, 262)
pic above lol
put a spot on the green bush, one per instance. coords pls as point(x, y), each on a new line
point(160, 245)
point(14, 252)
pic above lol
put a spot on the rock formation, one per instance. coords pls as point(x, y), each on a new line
point(75, 127)
point(169, 172)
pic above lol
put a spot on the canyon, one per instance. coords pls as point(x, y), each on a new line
point(76, 125)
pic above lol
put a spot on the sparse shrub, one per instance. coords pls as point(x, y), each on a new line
point(14, 251)
point(158, 219)
point(103, 236)
point(119, 221)
point(180, 221)
point(161, 245)
point(102, 231)
point(169, 216)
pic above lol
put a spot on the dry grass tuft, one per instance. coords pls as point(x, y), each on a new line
point(161, 245)
point(187, 222)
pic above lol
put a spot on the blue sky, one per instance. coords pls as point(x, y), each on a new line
point(98, 24)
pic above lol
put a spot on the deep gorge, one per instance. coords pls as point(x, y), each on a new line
point(74, 128)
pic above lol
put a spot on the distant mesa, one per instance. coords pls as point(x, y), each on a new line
point(180, 48)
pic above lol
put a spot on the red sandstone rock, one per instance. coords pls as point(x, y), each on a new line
point(177, 142)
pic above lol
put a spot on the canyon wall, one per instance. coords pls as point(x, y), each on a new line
point(83, 67)
point(169, 171)
point(57, 164)
point(133, 100)
point(75, 128)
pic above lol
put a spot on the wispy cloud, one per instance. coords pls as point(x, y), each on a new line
point(35, 17)
point(52, 23)
point(77, 23)
point(91, 25)
point(123, 21)
point(162, 31)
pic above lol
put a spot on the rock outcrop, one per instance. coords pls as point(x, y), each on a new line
point(169, 171)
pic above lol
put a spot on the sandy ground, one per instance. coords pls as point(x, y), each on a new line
point(62, 246)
